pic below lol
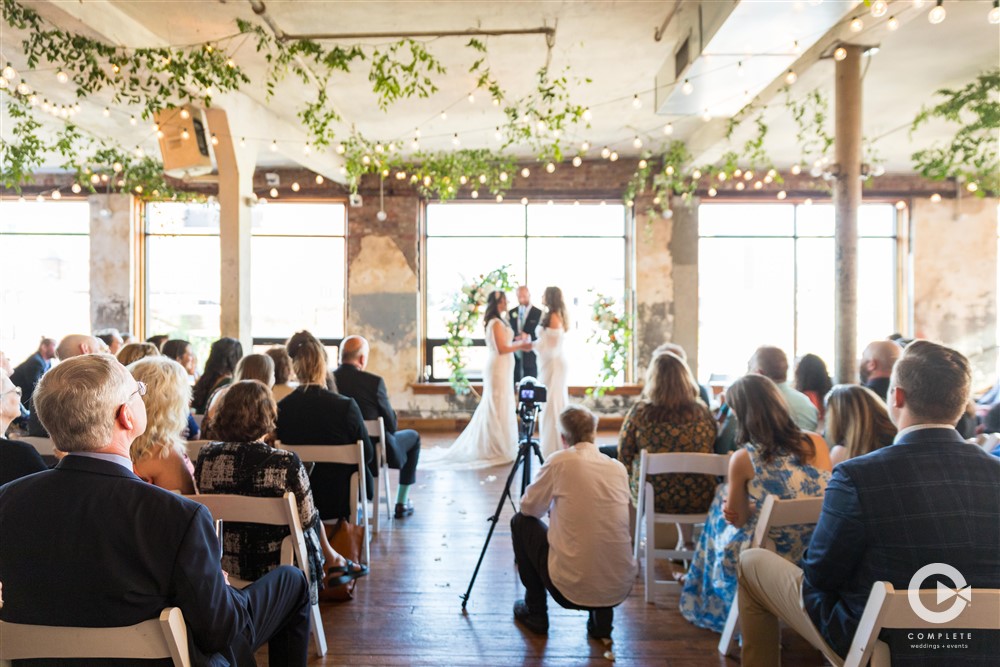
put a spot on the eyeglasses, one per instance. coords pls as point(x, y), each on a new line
point(139, 389)
point(15, 390)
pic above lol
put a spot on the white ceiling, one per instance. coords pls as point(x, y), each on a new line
point(611, 43)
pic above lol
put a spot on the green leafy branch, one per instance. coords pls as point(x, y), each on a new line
point(613, 334)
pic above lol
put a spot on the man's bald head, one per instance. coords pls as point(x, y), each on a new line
point(354, 350)
point(878, 359)
point(74, 345)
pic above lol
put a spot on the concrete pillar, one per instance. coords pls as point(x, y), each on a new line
point(846, 200)
point(684, 255)
point(236, 166)
point(654, 283)
point(113, 237)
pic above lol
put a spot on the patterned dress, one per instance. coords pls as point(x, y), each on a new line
point(710, 585)
point(644, 428)
point(249, 551)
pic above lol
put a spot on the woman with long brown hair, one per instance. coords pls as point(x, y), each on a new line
point(778, 459)
point(857, 422)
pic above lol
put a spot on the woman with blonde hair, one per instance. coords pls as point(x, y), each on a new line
point(159, 455)
point(552, 367)
point(669, 417)
point(135, 351)
point(857, 422)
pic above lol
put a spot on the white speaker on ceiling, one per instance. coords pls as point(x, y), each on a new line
point(184, 142)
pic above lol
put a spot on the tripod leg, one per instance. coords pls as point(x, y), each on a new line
point(493, 524)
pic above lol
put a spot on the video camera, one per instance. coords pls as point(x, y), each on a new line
point(531, 392)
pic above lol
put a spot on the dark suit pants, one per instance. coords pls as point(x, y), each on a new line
point(403, 452)
point(531, 551)
point(279, 607)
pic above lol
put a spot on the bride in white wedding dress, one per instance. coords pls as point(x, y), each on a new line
point(491, 437)
point(552, 368)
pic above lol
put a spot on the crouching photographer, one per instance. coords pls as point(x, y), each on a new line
point(585, 561)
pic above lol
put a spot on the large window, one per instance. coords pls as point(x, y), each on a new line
point(766, 277)
point(296, 266)
point(44, 273)
point(580, 248)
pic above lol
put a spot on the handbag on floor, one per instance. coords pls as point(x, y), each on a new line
point(347, 539)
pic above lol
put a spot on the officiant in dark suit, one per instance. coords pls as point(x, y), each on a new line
point(524, 319)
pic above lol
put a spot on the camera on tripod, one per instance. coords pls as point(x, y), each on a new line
point(530, 392)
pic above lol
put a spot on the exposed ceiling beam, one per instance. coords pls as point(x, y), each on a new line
point(106, 21)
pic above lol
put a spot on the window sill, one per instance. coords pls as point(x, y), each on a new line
point(443, 388)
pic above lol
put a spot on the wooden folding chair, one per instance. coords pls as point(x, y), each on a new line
point(889, 608)
point(194, 448)
point(283, 511)
point(350, 454)
point(376, 429)
point(716, 465)
point(163, 637)
point(774, 513)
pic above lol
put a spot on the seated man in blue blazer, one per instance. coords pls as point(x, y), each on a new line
point(930, 497)
point(90, 544)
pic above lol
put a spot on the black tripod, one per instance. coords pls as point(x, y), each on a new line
point(525, 445)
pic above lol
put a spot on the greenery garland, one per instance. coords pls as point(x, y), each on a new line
point(466, 314)
point(971, 155)
point(613, 335)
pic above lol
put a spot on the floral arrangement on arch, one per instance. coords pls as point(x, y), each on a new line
point(614, 335)
point(467, 310)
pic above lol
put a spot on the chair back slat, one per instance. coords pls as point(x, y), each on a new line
point(776, 513)
point(685, 462)
point(246, 509)
point(194, 448)
point(43, 446)
point(346, 453)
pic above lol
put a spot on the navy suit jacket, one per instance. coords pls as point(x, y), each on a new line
point(929, 498)
point(90, 544)
point(27, 375)
point(369, 392)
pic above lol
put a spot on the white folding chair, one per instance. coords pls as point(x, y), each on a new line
point(163, 637)
point(282, 511)
point(889, 608)
point(194, 448)
point(716, 465)
point(774, 513)
point(350, 454)
point(376, 428)
point(44, 446)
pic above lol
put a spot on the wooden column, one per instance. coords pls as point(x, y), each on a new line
point(846, 200)
point(236, 167)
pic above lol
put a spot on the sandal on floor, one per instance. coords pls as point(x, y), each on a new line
point(348, 570)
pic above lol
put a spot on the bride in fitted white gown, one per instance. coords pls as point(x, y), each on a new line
point(491, 437)
point(552, 368)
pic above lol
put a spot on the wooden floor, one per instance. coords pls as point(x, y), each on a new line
point(408, 611)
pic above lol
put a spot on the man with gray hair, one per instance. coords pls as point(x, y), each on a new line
point(585, 560)
point(116, 551)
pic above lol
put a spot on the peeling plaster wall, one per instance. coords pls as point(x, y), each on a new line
point(955, 279)
point(111, 255)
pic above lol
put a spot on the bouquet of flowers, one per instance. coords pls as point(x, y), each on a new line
point(613, 332)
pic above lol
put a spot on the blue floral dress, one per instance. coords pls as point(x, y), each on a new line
point(710, 585)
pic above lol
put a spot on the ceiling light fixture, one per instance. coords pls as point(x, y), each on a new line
point(857, 25)
point(668, 129)
point(840, 53)
point(892, 24)
point(636, 102)
point(994, 16)
point(938, 14)
point(791, 77)
point(879, 8)
point(688, 87)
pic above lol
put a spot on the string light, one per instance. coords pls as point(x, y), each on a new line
point(613, 157)
point(503, 176)
point(499, 199)
point(705, 115)
point(688, 87)
point(879, 8)
point(525, 172)
point(577, 161)
point(185, 114)
point(791, 77)
point(994, 16)
point(215, 140)
point(139, 152)
point(444, 115)
point(748, 175)
point(185, 134)
point(296, 187)
point(696, 174)
point(116, 167)
point(132, 121)
point(498, 135)
point(76, 188)
point(668, 129)
point(740, 185)
point(482, 178)
point(795, 47)
point(550, 167)
point(9, 73)
point(585, 146)
point(307, 149)
point(95, 179)
point(106, 112)
point(23, 88)
point(56, 194)
point(900, 205)
point(62, 77)
point(587, 115)
point(455, 140)
point(935, 198)
point(274, 146)
point(643, 164)
point(782, 194)
point(243, 142)
point(712, 192)
point(972, 187)
point(4, 83)
point(274, 193)
point(796, 170)
point(840, 53)
point(938, 14)
point(320, 179)
point(669, 171)
point(917, 4)
point(636, 102)
point(605, 152)
point(472, 98)
point(739, 68)
point(857, 25)
point(637, 142)
point(892, 24)
point(341, 149)
point(524, 201)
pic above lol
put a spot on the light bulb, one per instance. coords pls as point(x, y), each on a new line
point(696, 174)
point(688, 87)
point(379, 148)
point(525, 172)
point(900, 205)
point(40, 198)
point(585, 146)
point(796, 169)
point(668, 129)
point(840, 53)
point(503, 176)
point(587, 115)
point(341, 149)
point(605, 152)
point(139, 152)
point(636, 102)
point(185, 134)
point(33, 100)
point(307, 149)
point(739, 68)
point(937, 14)
point(857, 25)
point(296, 187)
point(274, 146)
point(9, 73)
point(474, 194)
point(712, 192)
point(994, 15)
point(613, 157)
point(4, 83)
point(879, 8)
point(107, 112)
point(791, 77)
point(62, 77)
point(117, 167)
point(274, 193)
point(499, 199)
point(56, 194)
point(935, 198)
point(637, 142)
point(917, 4)
point(455, 140)
point(722, 176)
point(320, 179)
point(243, 142)
point(215, 140)
point(498, 135)
point(381, 215)
point(669, 171)
point(550, 167)
point(132, 121)
point(758, 185)
point(444, 115)
point(972, 187)
point(892, 24)
point(23, 88)
point(747, 175)
point(782, 194)
point(482, 178)
point(795, 47)
point(740, 185)
point(577, 161)
point(524, 201)
point(705, 115)
point(472, 98)
point(76, 188)
point(185, 114)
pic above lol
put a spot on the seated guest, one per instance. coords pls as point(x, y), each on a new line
point(181, 351)
point(159, 455)
point(857, 422)
point(112, 339)
point(930, 497)
point(295, 343)
point(674, 348)
point(876, 365)
point(115, 550)
point(245, 465)
point(158, 340)
point(585, 561)
point(314, 415)
point(135, 351)
point(813, 380)
point(17, 459)
point(70, 346)
point(30, 371)
point(251, 367)
point(368, 391)
point(282, 372)
point(777, 459)
point(669, 417)
point(219, 369)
